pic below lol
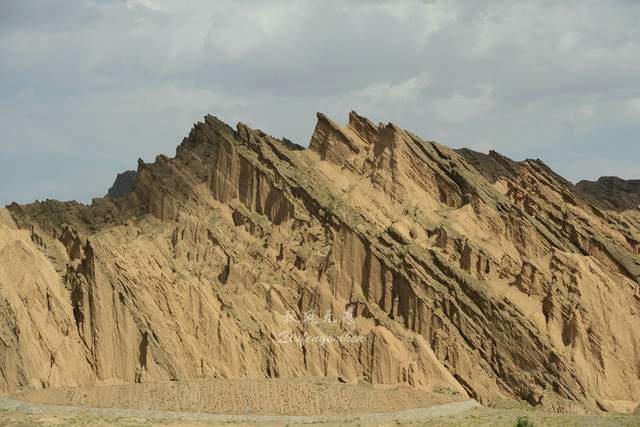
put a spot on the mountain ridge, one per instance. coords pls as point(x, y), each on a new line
point(492, 278)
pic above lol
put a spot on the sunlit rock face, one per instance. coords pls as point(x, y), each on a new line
point(416, 264)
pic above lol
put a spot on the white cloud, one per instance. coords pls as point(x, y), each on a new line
point(399, 96)
point(459, 108)
point(429, 17)
point(103, 82)
point(632, 109)
point(579, 118)
point(148, 4)
point(238, 28)
point(584, 112)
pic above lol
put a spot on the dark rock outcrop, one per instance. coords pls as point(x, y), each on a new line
point(123, 185)
point(610, 192)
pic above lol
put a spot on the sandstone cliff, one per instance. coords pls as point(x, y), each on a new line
point(462, 271)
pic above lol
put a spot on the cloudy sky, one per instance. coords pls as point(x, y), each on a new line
point(89, 86)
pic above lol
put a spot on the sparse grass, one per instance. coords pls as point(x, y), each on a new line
point(523, 422)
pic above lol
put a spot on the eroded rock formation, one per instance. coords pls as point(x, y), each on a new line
point(123, 185)
point(431, 267)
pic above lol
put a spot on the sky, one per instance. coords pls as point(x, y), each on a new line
point(89, 86)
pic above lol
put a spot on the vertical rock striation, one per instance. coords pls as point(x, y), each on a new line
point(422, 265)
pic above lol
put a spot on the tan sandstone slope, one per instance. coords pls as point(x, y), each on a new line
point(463, 271)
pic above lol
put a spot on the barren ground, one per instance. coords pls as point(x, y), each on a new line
point(268, 402)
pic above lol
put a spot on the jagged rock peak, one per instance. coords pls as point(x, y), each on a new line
point(331, 141)
point(460, 271)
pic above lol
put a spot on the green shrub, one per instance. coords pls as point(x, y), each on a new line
point(523, 422)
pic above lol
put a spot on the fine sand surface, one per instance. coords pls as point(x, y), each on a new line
point(42, 412)
point(464, 413)
point(301, 397)
point(276, 402)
